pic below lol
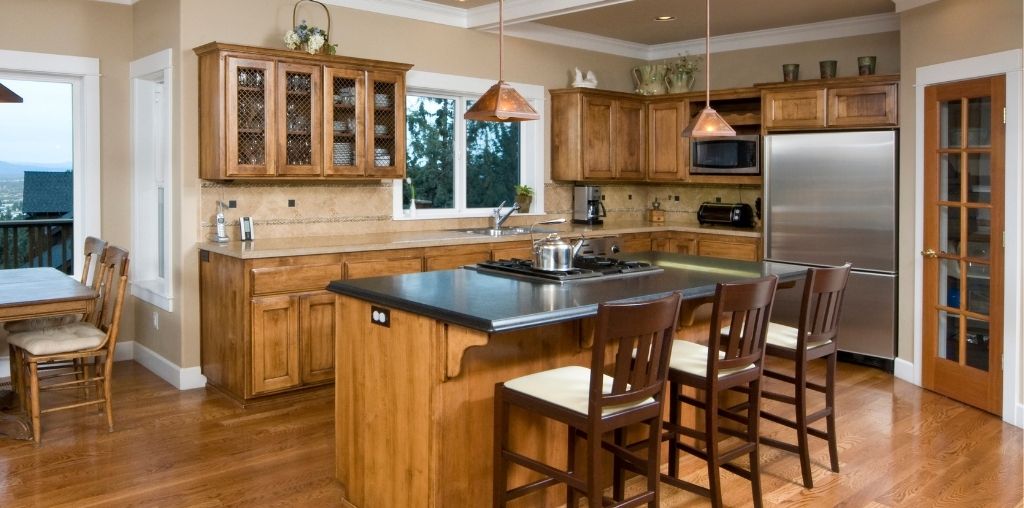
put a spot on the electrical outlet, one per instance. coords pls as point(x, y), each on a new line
point(291, 203)
point(676, 197)
point(718, 199)
point(629, 197)
point(156, 320)
point(232, 203)
point(380, 316)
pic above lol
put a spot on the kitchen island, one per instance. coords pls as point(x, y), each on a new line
point(417, 357)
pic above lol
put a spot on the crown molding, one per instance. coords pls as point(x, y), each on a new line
point(412, 9)
point(906, 5)
point(580, 40)
point(485, 17)
point(120, 2)
point(846, 27)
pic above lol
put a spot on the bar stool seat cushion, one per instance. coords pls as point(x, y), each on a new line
point(62, 339)
point(568, 387)
point(692, 358)
point(785, 337)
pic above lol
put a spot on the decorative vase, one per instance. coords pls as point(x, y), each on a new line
point(790, 72)
point(524, 202)
point(865, 65)
point(412, 208)
point(650, 79)
point(828, 69)
point(679, 81)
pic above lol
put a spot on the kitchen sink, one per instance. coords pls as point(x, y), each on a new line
point(504, 231)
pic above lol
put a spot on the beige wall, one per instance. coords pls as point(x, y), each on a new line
point(939, 32)
point(156, 26)
point(942, 32)
point(98, 30)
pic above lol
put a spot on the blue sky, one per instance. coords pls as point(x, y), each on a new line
point(38, 130)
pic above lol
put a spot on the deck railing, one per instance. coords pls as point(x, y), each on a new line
point(32, 243)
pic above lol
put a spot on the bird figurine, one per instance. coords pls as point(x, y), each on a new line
point(580, 82)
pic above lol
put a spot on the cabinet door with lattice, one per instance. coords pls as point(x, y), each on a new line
point(345, 129)
point(250, 118)
point(299, 119)
point(385, 124)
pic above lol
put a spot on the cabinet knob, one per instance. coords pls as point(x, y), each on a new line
point(929, 253)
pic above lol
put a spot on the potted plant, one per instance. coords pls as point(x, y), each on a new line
point(524, 196)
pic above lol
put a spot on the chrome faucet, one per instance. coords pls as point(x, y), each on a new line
point(498, 218)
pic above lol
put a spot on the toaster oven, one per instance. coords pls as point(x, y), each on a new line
point(739, 215)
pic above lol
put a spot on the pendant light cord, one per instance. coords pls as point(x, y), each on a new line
point(501, 40)
point(707, 55)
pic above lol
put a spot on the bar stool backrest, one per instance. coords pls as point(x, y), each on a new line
point(822, 302)
point(745, 308)
point(642, 335)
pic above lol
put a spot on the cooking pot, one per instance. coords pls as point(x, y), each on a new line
point(552, 253)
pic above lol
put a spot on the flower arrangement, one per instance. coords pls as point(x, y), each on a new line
point(311, 39)
point(685, 64)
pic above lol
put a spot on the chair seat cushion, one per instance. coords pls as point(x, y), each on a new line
point(692, 358)
point(62, 339)
point(785, 337)
point(27, 325)
point(568, 387)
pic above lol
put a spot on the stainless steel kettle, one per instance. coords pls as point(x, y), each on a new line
point(552, 253)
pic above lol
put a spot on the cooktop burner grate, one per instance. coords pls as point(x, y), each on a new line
point(584, 268)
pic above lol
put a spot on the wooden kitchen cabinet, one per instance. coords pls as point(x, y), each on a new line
point(512, 250)
point(728, 247)
point(667, 150)
point(454, 256)
point(597, 136)
point(267, 113)
point(275, 344)
point(843, 103)
point(635, 242)
point(383, 262)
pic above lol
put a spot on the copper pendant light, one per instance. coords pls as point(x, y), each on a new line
point(708, 123)
point(6, 95)
point(501, 102)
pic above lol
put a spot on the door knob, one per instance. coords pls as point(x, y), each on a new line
point(929, 253)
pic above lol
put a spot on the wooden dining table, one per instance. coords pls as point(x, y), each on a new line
point(27, 293)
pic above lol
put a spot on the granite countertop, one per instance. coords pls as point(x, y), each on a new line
point(302, 246)
point(497, 303)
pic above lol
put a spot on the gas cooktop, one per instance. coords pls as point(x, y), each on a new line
point(584, 268)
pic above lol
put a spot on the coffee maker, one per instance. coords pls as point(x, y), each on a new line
point(587, 207)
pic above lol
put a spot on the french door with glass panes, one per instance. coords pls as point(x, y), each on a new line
point(963, 241)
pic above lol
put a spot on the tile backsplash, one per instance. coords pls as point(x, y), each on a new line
point(322, 209)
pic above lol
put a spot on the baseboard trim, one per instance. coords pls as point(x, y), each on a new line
point(181, 378)
point(904, 370)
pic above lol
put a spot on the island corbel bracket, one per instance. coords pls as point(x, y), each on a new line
point(457, 341)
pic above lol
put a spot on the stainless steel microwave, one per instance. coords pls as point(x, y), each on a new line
point(736, 155)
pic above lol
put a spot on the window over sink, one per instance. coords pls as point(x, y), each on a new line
point(464, 168)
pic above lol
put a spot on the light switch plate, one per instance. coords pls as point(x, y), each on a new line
point(380, 316)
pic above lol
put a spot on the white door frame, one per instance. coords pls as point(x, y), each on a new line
point(1008, 63)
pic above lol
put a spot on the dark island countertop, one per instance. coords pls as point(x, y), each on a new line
point(493, 303)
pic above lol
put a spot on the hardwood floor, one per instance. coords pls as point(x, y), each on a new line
point(899, 446)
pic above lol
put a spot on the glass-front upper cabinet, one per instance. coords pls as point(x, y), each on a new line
point(299, 120)
point(345, 141)
point(386, 124)
point(250, 120)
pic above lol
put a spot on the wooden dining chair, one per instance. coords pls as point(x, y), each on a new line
point(81, 341)
point(733, 357)
point(92, 251)
point(814, 338)
point(593, 404)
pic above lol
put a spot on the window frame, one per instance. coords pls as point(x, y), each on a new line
point(531, 142)
point(83, 73)
point(152, 166)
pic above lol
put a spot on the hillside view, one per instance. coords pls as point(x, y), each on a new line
point(12, 179)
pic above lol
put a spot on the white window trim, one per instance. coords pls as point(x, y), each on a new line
point(531, 141)
point(84, 75)
point(148, 285)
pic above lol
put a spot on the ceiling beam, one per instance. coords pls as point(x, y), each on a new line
point(906, 5)
point(485, 17)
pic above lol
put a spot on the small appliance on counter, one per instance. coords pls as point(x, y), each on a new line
point(737, 215)
point(655, 213)
point(587, 207)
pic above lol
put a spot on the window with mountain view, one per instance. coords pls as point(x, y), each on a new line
point(455, 165)
point(36, 175)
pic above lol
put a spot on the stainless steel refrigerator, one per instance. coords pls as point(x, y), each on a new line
point(830, 198)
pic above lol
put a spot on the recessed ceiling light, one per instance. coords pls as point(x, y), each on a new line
point(664, 18)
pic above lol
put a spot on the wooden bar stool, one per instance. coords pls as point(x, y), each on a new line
point(814, 338)
point(733, 357)
point(638, 337)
